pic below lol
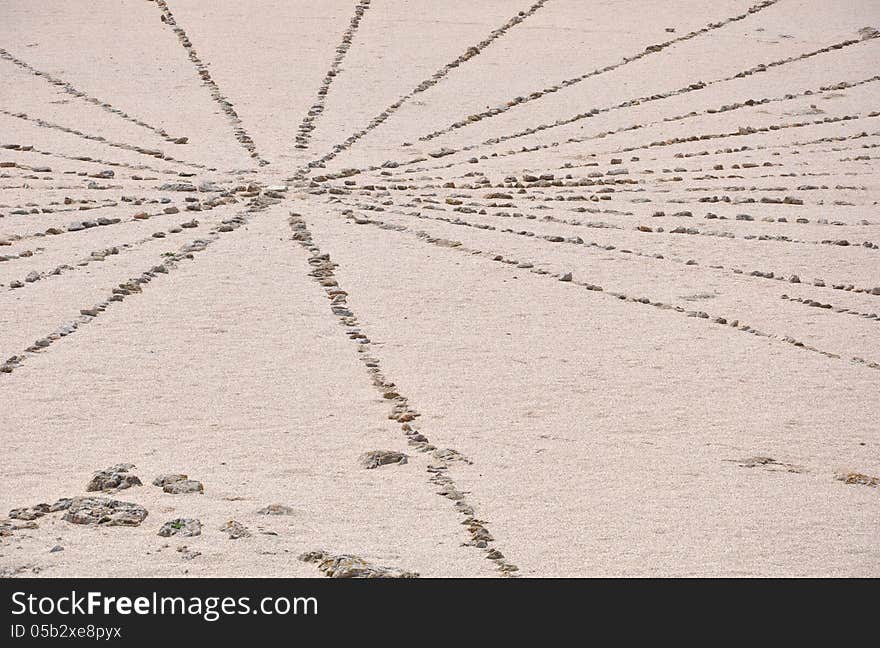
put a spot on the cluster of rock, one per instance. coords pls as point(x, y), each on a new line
point(114, 478)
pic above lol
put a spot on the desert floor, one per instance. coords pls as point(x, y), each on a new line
point(601, 280)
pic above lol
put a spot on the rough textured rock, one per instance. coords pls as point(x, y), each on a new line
point(184, 486)
point(376, 458)
point(847, 478)
point(181, 527)
point(276, 509)
point(29, 512)
point(114, 478)
point(177, 483)
point(350, 566)
point(104, 511)
point(167, 478)
point(235, 530)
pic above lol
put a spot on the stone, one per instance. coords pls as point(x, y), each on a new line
point(186, 527)
point(276, 509)
point(184, 486)
point(29, 512)
point(855, 478)
point(351, 566)
point(441, 152)
point(448, 454)
point(167, 478)
point(103, 511)
point(114, 478)
point(376, 458)
point(235, 530)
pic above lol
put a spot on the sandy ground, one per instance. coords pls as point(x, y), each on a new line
point(605, 274)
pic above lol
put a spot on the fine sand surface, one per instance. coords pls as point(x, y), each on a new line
point(600, 280)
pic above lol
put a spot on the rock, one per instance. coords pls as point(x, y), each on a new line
point(167, 478)
point(858, 478)
point(184, 486)
point(103, 511)
point(181, 527)
point(56, 549)
point(276, 509)
point(235, 530)
point(867, 33)
point(376, 458)
point(441, 152)
point(114, 478)
point(61, 505)
point(448, 454)
point(565, 277)
point(350, 566)
point(29, 512)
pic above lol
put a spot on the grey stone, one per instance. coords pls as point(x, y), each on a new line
point(276, 509)
point(113, 479)
point(235, 530)
point(184, 486)
point(103, 511)
point(181, 527)
point(376, 458)
point(351, 566)
point(167, 478)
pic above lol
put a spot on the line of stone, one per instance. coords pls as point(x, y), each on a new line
point(740, 132)
point(154, 153)
point(567, 278)
point(28, 148)
point(568, 165)
point(136, 285)
point(225, 105)
point(577, 240)
point(763, 67)
point(71, 90)
point(391, 164)
point(377, 121)
point(317, 109)
point(481, 209)
point(567, 83)
point(102, 254)
point(402, 412)
point(80, 226)
point(829, 307)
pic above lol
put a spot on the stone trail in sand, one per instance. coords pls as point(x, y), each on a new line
point(367, 290)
